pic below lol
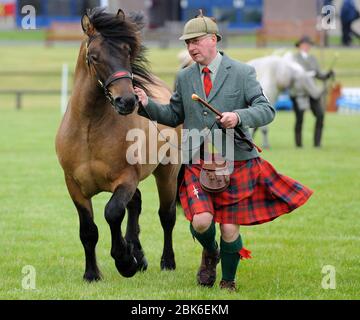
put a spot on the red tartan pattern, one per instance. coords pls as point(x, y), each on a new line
point(257, 194)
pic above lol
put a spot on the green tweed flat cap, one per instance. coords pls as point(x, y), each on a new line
point(200, 26)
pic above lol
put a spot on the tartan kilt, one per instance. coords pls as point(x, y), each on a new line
point(257, 193)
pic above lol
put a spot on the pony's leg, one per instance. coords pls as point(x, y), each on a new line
point(166, 180)
point(88, 230)
point(133, 229)
point(121, 251)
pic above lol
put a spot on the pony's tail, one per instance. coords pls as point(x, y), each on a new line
point(180, 179)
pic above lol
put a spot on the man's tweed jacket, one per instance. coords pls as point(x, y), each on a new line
point(234, 89)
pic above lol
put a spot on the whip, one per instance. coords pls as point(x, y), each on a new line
point(195, 97)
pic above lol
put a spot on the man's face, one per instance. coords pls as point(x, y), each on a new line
point(202, 49)
point(305, 47)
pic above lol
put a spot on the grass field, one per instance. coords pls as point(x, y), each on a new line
point(39, 224)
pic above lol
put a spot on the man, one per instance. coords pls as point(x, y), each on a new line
point(310, 64)
point(348, 15)
point(257, 193)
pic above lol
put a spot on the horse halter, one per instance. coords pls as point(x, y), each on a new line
point(120, 74)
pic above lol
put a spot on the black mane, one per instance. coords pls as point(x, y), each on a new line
point(115, 30)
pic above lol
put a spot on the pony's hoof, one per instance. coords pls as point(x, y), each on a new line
point(141, 260)
point(142, 264)
point(167, 265)
point(91, 276)
point(127, 269)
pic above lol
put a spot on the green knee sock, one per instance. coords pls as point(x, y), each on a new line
point(207, 238)
point(230, 257)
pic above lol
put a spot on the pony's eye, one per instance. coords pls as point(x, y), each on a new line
point(94, 57)
point(125, 48)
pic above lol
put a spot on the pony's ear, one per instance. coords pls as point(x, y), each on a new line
point(87, 25)
point(121, 15)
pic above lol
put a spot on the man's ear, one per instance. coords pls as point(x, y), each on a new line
point(87, 25)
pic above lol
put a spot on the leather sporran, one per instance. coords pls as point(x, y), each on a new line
point(214, 177)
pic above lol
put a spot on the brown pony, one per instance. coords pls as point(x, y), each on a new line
point(91, 142)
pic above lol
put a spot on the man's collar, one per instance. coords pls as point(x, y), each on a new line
point(214, 64)
point(304, 54)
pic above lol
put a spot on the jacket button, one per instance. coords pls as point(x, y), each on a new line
point(205, 113)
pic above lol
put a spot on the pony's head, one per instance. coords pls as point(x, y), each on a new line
point(114, 54)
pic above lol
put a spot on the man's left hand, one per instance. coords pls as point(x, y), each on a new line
point(228, 120)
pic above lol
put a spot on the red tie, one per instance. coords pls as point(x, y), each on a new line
point(207, 81)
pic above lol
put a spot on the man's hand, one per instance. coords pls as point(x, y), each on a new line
point(229, 120)
point(330, 74)
point(143, 98)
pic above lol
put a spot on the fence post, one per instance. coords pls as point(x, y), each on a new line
point(18, 95)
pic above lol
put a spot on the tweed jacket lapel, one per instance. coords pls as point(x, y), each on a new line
point(195, 78)
point(220, 77)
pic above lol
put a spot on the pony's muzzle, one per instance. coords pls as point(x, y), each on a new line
point(125, 105)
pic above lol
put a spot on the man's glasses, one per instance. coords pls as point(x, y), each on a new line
point(197, 41)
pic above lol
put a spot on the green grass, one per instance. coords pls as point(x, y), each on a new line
point(39, 224)
point(22, 34)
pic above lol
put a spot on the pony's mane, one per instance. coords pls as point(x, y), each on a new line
point(115, 30)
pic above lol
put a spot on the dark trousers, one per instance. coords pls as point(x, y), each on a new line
point(347, 33)
point(315, 105)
